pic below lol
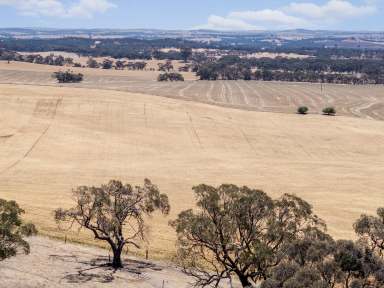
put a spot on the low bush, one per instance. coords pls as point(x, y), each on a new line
point(302, 110)
point(330, 111)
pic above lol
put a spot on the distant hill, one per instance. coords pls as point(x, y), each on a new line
point(260, 39)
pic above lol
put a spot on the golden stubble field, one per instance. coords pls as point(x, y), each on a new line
point(363, 101)
point(56, 138)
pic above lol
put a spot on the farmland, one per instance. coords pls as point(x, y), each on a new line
point(54, 138)
point(364, 101)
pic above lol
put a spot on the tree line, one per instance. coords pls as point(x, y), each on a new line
point(234, 234)
point(116, 48)
point(295, 70)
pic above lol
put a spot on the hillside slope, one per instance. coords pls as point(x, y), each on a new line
point(53, 139)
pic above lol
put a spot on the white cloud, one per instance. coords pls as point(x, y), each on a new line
point(333, 9)
point(86, 8)
point(57, 8)
point(295, 15)
point(222, 23)
point(268, 16)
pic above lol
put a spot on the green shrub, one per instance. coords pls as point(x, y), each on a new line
point(302, 110)
point(330, 111)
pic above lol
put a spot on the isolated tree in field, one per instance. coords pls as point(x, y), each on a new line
point(330, 111)
point(107, 64)
point(167, 66)
point(68, 77)
point(92, 63)
point(370, 229)
point(186, 53)
point(119, 65)
point(68, 61)
point(302, 110)
point(13, 230)
point(170, 77)
point(115, 213)
point(240, 232)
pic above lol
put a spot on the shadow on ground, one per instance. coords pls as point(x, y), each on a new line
point(99, 269)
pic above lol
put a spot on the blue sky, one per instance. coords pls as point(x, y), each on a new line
point(210, 14)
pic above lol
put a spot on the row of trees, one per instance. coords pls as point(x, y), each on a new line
point(118, 64)
point(297, 70)
point(242, 233)
point(37, 58)
point(236, 233)
point(116, 48)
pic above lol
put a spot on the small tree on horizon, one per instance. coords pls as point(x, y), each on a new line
point(107, 64)
point(115, 213)
point(92, 63)
point(186, 53)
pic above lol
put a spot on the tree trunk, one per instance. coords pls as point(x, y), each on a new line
point(244, 281)
point(117, 263)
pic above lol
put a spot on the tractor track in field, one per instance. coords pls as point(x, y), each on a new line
point(51, 115)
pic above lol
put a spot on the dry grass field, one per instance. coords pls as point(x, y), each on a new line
point(364, 101)
point(55, 138)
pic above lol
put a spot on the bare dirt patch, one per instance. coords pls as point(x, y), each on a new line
point(56, 264)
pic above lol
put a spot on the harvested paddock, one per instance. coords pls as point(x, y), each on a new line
point(53, 139)
point(365, 101)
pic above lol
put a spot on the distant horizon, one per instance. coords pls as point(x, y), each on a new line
point(186, 30)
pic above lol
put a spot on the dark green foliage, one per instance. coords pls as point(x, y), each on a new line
point(68, 77)
point(326, 65)
point(140, 65)
point(122, 48)
point(239, 232)
point(167, 66)
point(92, 63)
point(226, 68)
point(242, 233)
point(302, 110)
point(13, 230)
point(119, 65)
point(170, 77)
point(330, 111)
point(293, 70)
point(107, 64)
point(186, 53)
point(370, 229)
point(106, 210)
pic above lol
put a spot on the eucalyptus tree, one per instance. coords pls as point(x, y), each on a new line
point(115, 213)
